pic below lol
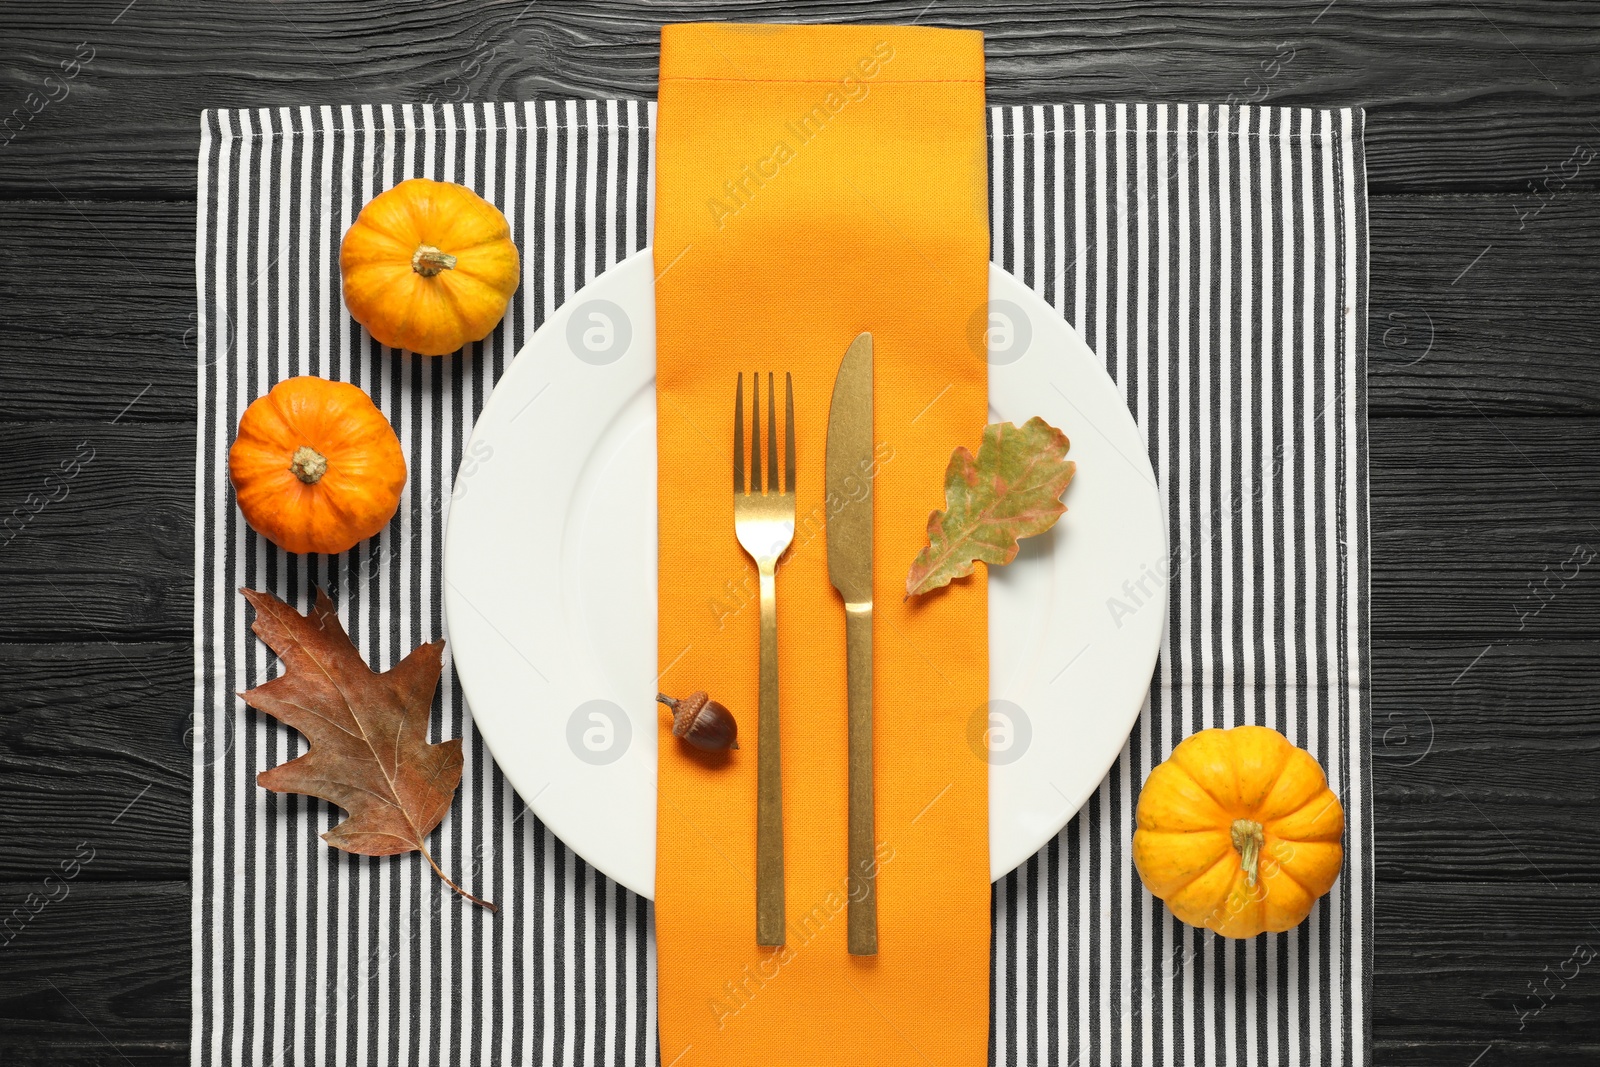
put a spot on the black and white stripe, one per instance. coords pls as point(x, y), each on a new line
point(304, 954)
point(1214, 257)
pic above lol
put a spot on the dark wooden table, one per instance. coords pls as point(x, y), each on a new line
point(1483, 143)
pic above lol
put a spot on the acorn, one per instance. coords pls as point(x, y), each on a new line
point(702, 722)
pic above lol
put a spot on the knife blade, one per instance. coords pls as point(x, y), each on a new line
point(849, 537)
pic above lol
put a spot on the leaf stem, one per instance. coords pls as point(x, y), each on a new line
point(446, 878)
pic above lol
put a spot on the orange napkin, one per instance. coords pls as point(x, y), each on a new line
point(814, 182)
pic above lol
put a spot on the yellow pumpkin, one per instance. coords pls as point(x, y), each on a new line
point(1238, 832)
point(428, 266)
point(315, 466)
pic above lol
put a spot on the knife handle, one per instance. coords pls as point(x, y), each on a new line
point(863, 875)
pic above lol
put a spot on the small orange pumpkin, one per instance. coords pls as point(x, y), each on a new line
point(1238, 832)
point(428, 266)
point(315, 466)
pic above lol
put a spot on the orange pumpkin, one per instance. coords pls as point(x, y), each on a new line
point(1238, 832)
point(428, 266)
point(315, 466)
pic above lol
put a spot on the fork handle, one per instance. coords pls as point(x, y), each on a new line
point(862, 881)
point(769, 778)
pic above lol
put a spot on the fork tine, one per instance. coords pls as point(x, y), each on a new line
point(788, 432)
point(772, 436)
point(738, 435)
point(755, 431)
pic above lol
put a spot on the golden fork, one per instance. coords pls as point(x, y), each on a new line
point(764, 523)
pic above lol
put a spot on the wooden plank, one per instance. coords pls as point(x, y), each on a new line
point(100, 966)
point(1484, 304)
point(1401, 1053)
point(101, 323)
point(1501, 91)
point(1484, 758)
point(1516, 334)
point(1485, 526)
point(95, 755)
point(101, 1054)
point(1467, 964)
point(100, 541)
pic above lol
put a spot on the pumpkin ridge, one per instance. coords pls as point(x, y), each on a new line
point(1204, 908)
point(289, 426)
point(467, 270)
point(1266, 794)
point(341, 507)
point(377, 274)
point(1298, 760)
point(400, 326)
point(1242, 740)
point(377, 236)
point(1203, 788)
point(1280, 868)
point(1222, 857)
point(451, 298)
point(462, 279)
point(1333, 800)
point(487, 239)
point(331, 500)
point(374, 223)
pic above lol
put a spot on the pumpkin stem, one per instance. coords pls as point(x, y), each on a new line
point(428, 261)
point(1249, 839)
point(308, 465)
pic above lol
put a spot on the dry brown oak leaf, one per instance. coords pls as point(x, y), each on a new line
point(369, 752)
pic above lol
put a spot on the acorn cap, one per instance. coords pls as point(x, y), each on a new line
point(684, 710)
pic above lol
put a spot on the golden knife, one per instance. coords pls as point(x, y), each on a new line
point(849, 533)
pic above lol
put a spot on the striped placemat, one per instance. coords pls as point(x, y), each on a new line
point(1215, 257)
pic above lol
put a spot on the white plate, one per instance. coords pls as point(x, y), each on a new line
point(550, 578)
